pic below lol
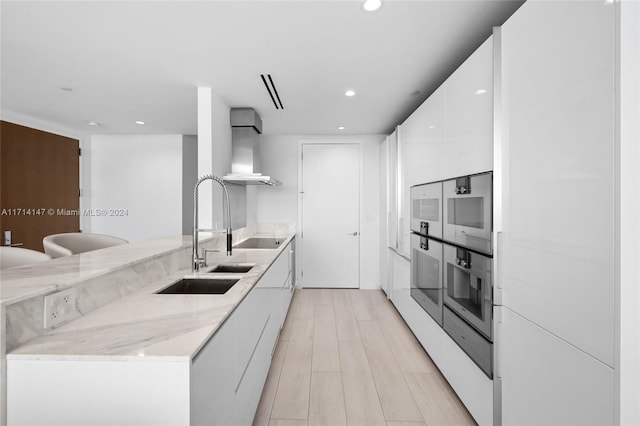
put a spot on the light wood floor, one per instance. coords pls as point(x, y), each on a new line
point(346, 357)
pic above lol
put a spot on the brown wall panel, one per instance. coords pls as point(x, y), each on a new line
point(39, 180)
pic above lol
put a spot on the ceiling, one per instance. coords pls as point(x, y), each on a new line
point(143, 60)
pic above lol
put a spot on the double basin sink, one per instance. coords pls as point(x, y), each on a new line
point(205, 283)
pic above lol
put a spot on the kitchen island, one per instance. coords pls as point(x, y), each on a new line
point(150, 358)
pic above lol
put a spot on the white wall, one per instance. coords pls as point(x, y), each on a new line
point(279, 157)
point(139, 173)
point(214, 157)
point(252, 204)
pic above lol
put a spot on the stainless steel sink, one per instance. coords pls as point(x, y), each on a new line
point(233, 268)
point(200, 286)
point(260, 243)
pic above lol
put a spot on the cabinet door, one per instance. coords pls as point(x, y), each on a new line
point(392, 190)
point(212, 383)
point(383, 152)
point(469, 114)
point(556, 264)
point(557, 260)
point(251, 317)
point(249, 389)
point(547, 381)
point(286, 291)
point(258, 322)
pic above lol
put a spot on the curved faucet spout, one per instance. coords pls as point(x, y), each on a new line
point(197, 260)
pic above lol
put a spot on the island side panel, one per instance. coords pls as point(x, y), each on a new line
point(81, 392)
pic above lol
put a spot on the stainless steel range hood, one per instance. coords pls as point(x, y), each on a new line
point(246, 127)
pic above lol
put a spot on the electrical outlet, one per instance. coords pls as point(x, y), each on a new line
point(59, 307)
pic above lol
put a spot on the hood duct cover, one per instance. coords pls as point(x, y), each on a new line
point(246, 127)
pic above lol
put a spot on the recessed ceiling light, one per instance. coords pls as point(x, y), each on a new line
point(340, 127)
point(139, 122)
point(372, 5)
point(349, 93)
point(93, 123)
point(432, 126)
point(481, 92)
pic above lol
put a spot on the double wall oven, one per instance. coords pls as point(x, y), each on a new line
point(451, 264)
point(426, 248)
point(468, 204)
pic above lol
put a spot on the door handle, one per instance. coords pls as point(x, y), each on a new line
point(355, 234)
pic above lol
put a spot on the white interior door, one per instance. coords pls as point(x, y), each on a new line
point(330, 215)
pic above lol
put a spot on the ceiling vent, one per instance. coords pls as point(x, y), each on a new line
point(273, 92)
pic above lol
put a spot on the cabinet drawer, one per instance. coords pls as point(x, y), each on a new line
point(477, 347)
point(251, 316)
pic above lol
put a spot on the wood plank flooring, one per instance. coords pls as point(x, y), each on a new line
point(346, 357)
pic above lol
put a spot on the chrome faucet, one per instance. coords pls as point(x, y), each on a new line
point(197, 260)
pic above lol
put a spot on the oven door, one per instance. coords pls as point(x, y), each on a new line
point(468, 287)
point(467, 211)
point(426, 209)
point(426, 275)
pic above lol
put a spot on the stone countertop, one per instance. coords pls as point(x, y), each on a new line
point(143, 326)
point(21, 283)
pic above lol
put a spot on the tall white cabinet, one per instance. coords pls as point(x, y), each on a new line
point(556, 259)
point(449, 135)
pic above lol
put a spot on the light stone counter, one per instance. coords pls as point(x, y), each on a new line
point(144, 325)
point(116, 310)
point(21, 283)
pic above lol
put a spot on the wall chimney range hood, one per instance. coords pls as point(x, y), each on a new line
point(246, 127)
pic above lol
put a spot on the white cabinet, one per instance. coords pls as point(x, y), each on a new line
point(286, 294)
point(258, 320)
point(423, 141)
point(556, 258)
point(549, 382)
point(449, 135)
point(287, 288)
point(558, 197)
point(383, 157)
point(392, 190)
point(257, 328)
point(290, 285)
point(212, 384)
point(82, 392)
point(229, 373)
point(469, 115)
